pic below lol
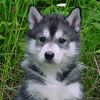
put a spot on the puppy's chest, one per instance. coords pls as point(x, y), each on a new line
point(51, 91)
point(54, 91)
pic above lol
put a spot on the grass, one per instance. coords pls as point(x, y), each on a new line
point(13, 26)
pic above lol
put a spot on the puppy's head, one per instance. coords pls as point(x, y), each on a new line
point(53, 39)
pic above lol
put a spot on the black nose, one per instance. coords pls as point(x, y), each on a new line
point(49, 55)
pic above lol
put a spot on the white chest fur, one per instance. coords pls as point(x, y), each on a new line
point(55, 91)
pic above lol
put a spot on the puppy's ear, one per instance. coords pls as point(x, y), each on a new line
point(74, 19)
point(34, 17)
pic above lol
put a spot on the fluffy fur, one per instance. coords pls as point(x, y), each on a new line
point(52, 71)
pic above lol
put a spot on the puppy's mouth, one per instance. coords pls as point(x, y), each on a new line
point(49, 61)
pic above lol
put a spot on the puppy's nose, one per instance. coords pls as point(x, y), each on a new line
point(49, 55)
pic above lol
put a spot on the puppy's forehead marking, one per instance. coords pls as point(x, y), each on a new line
point(58, 34)
point(46, 33)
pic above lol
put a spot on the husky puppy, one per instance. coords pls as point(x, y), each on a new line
point(52, 71)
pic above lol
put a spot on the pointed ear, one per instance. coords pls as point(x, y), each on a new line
point(33, 17)
point(74, 19)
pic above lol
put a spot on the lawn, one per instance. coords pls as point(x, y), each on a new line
point(13, 27)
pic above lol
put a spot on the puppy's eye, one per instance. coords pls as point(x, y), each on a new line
point(62, 40)
point(42, 39)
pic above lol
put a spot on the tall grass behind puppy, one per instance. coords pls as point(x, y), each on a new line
point(52, 71)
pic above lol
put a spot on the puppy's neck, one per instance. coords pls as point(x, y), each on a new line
point(50, 70)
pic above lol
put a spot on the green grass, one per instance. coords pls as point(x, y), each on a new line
point(13, 26)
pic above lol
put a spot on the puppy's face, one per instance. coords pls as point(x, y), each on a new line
point(53, 39)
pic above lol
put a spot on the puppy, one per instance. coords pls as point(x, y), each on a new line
point(52, 71)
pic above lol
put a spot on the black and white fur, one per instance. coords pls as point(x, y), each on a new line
point(55, 75)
